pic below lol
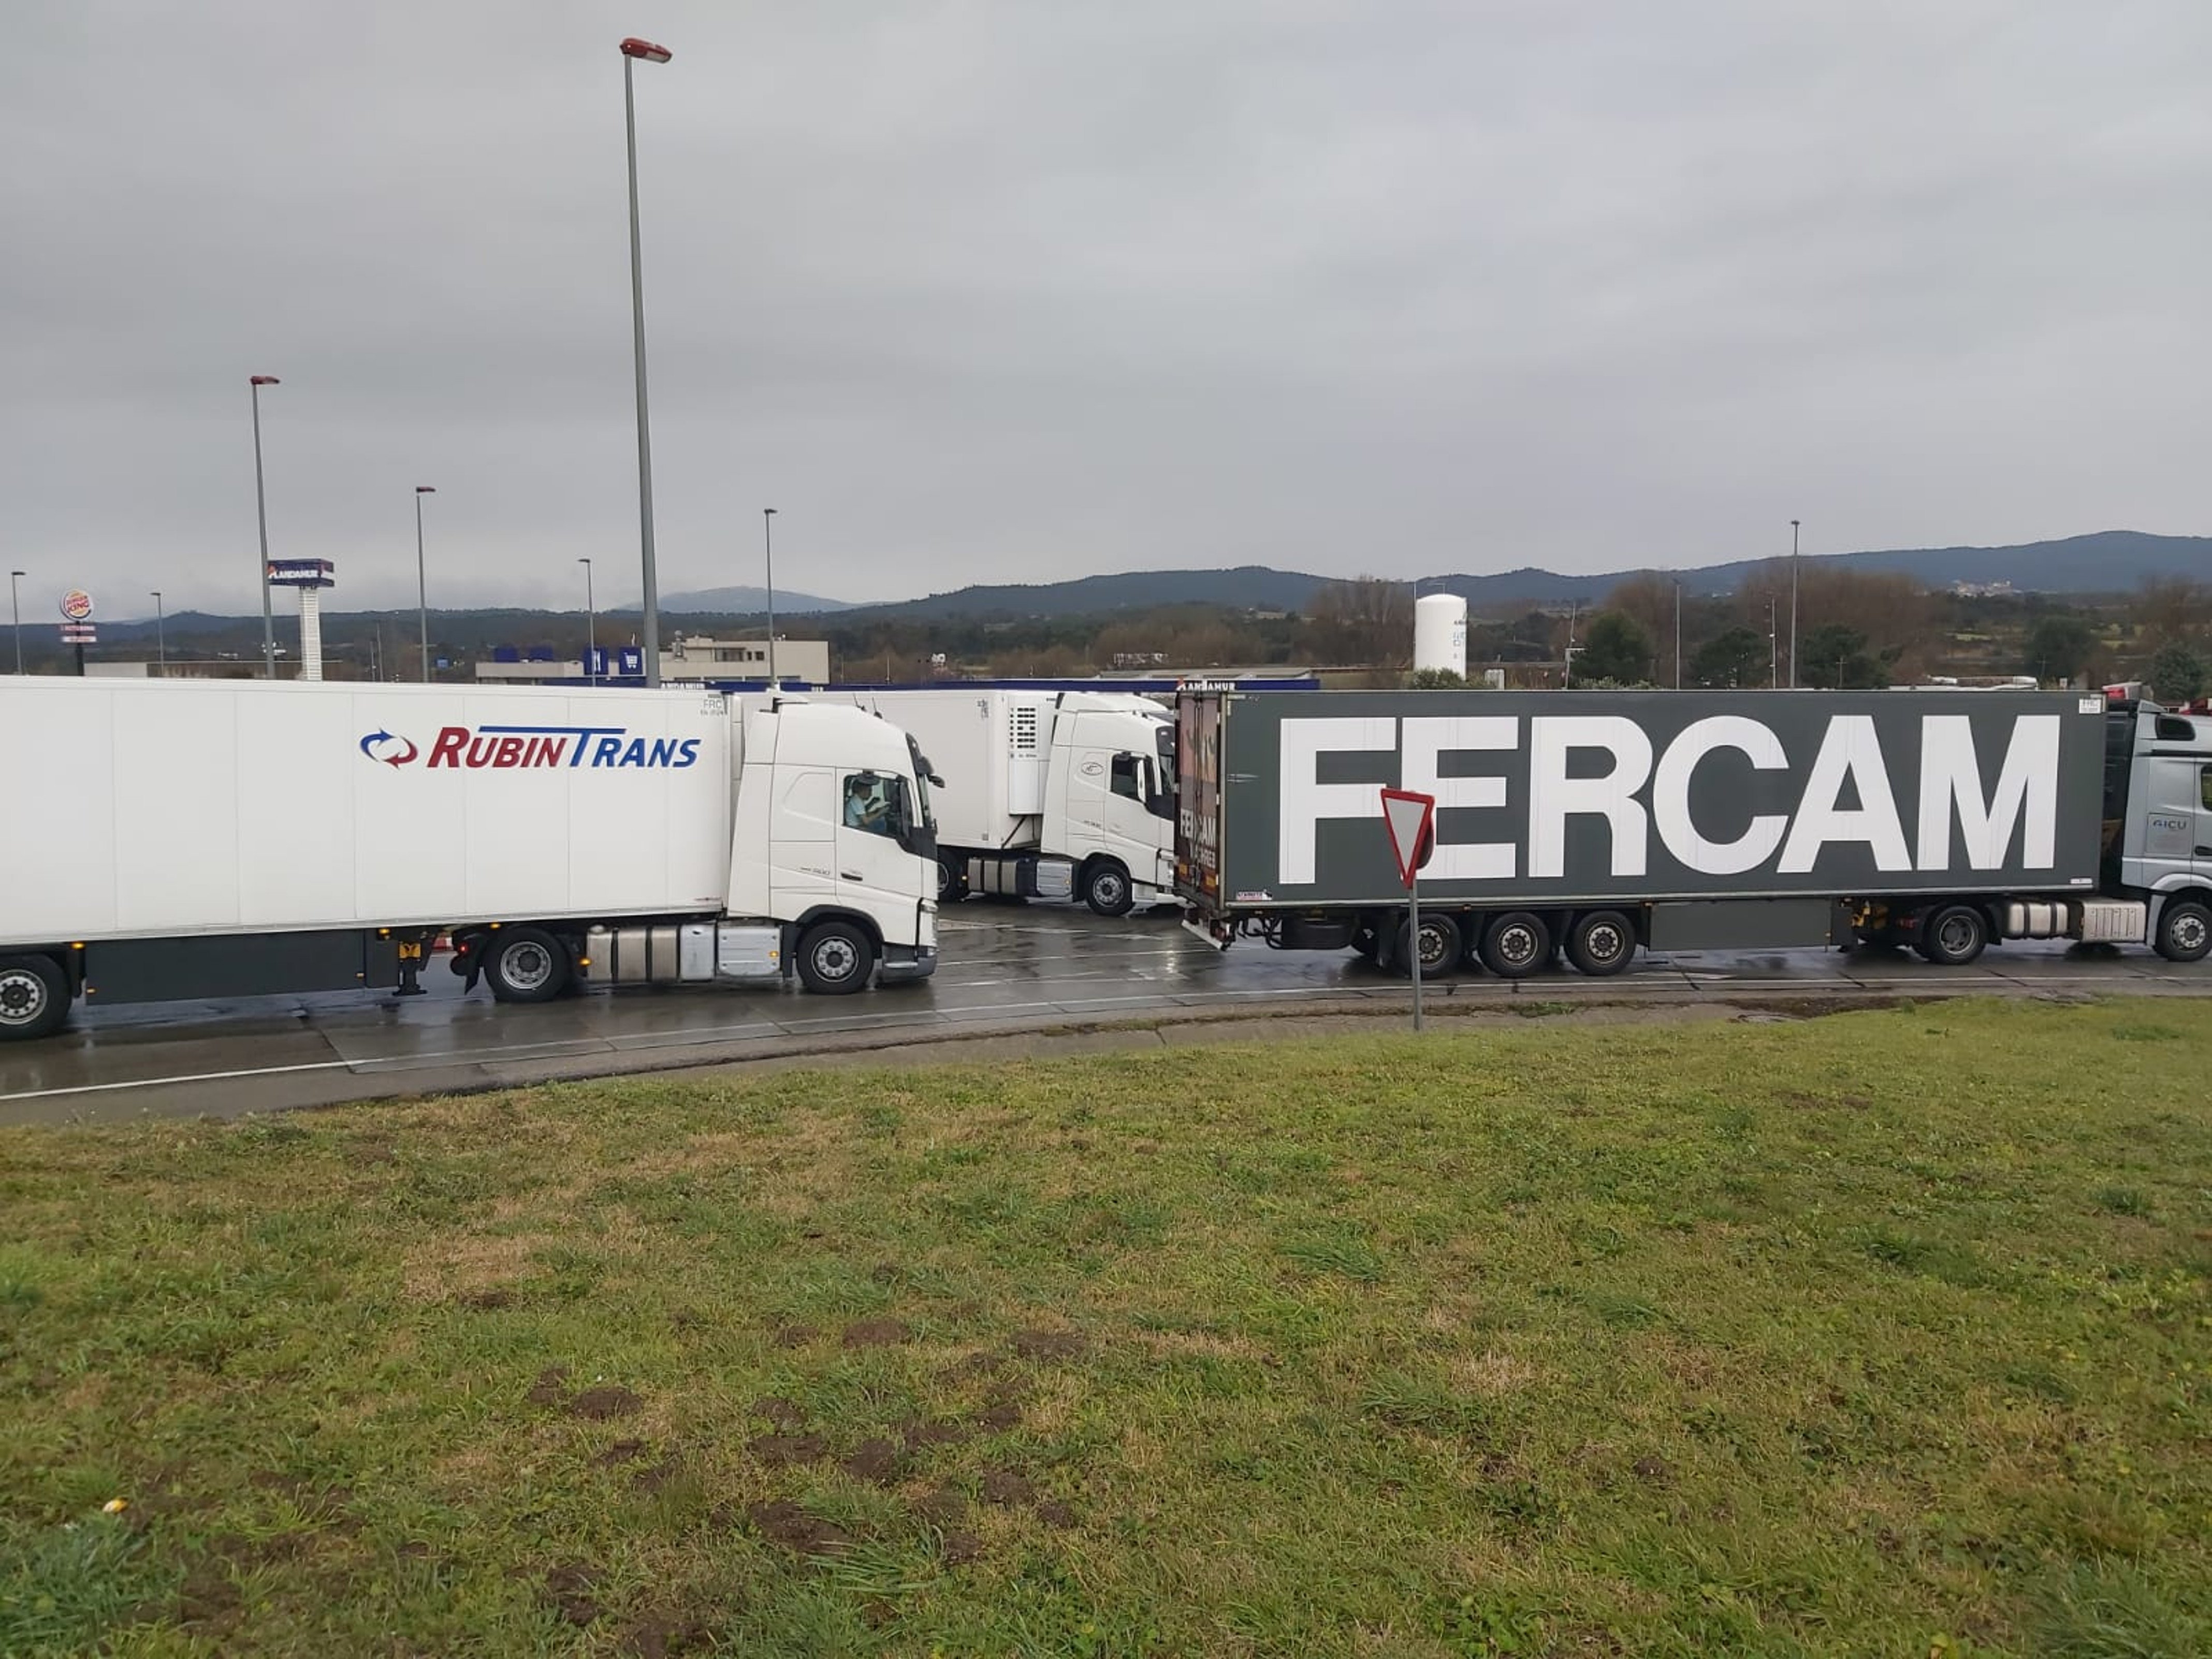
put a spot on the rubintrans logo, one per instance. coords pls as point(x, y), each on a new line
point(507, 747)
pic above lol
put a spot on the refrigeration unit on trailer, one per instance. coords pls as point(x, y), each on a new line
point(1595, 823)
point(1045, 794)
point(206, 838)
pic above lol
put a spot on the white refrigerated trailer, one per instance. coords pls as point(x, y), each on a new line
point(1045, 794)
point(175, 839)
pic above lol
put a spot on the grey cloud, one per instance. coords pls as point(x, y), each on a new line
point(1009, 290)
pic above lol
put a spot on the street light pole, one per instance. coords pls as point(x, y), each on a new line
point(422, 582)
point(768, 546)
point(16, 603)
point(161, 637)
point(261, 513)
point(591, 627)
point(632, 50)
point(1793, 605)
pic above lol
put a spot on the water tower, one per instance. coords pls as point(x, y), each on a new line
point(1440, 633)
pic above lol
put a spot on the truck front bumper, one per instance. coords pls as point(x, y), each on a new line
point(902, 964)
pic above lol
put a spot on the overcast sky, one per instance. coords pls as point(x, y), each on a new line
point(1024, 290)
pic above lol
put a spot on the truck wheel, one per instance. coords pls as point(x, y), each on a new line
point(2185, 932)
point(1600, 943)
point(1954, 935)
point(1517, 945)
point(836, 958)
point(1440, 947)
point(1107, 888)
point(34, 998)
point(951, 880)
point(525, 964)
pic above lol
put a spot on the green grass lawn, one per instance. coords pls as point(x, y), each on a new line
point(1886, 1334)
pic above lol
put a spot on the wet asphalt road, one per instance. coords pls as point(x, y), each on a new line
point(1004, 968)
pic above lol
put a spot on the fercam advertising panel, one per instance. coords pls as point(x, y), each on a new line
point(1571, 795)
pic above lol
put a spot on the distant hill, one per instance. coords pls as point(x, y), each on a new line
point(1256, 587)
point(2111, 561)
point(2107, 561)
point(743, 601)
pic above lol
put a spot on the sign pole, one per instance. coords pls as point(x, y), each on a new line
point(1413, 929)
point(1409, 820)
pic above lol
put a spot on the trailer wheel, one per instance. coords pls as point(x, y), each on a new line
point(2185, 932)
point(1600, 943)
point(836, 958)
point(1954, 935)
point(951, 879)
point(1516, 945)
point(1439, 943)
point(1107, 888)
point(525, 964)
point(34, 998)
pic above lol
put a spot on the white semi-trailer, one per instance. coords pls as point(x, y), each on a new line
point(1045, 794)
point(176, 839)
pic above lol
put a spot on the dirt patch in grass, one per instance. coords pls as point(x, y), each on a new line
point(876, 1333)
point(664, 1635)
point(623, 1451)
point(600, 1404)
point(919, 1434)
point(569, 1588)
point(1046, 1345)
point(780, 1412)
point(782, 1451)
point(792, 1527)
point(873, 1460)
point(1005, 1486)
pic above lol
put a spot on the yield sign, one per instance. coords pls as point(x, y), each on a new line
point(1411, 820)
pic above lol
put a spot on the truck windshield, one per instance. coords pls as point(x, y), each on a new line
point(921, 783)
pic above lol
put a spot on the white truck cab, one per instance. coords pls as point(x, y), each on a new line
point(1044, 794)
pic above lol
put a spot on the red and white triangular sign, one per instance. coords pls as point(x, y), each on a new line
point(1409, 818)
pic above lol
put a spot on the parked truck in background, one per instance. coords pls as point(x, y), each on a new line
point(1602, 821)
point(175, 839)
point(1044, 794)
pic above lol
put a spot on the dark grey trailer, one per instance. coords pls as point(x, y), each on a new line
point(1601, 820)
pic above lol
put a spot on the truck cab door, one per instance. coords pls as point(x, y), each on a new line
point(875, 870)
point(2172, 831)
point(2200, 850)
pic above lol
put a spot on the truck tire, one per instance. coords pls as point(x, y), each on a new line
point(1440, 947)
point(1516, 945)
point(951, 879)
point(836, 958)
point(1107, 888)
point(1953, 935)
point(1600, 943)
point(34, 998)
point(2185, 932)
point(525, 964)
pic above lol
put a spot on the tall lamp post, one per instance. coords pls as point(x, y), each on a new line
point(767, 548)
point(261, 513)
point(16, 603)
point(1793, 605)
point(160, 636)
point(591, 626)
point(422, 582)
point(632, 50)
